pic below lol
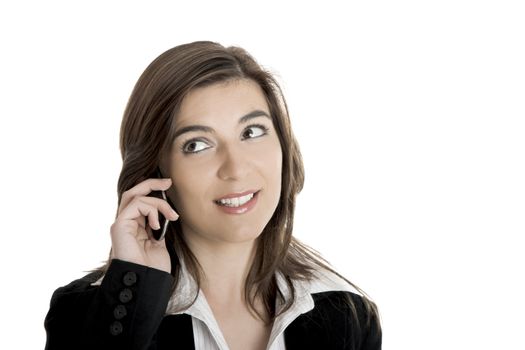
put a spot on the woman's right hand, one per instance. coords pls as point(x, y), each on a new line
point(131, 240)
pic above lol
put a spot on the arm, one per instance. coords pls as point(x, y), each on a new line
point(124, 312)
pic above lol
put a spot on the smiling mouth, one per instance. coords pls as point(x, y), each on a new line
point(236, 202)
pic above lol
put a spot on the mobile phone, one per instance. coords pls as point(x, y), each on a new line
point(160, 233)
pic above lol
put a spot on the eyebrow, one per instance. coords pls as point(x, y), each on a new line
point(244, 119)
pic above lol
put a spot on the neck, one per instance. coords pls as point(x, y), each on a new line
point(225, 265)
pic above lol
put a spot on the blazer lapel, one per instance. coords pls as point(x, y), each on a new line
point(176, 332)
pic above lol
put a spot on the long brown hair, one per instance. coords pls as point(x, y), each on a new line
point(146, 136)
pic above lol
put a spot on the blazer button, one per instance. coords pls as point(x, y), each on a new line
point(130, 278)
point(116, 328)
point(125, 295)
point(120, 311)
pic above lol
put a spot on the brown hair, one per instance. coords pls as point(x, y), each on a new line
point(146, 136)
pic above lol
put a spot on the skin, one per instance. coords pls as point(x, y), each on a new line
point(235, 157)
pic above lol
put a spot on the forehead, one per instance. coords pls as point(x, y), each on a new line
point(220, 101)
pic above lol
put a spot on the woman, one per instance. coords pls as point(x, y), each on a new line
point(229, 274)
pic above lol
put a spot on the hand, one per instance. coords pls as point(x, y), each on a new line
point(131, 240)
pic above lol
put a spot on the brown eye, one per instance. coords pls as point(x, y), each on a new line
point(254, 131)
point(194, 146)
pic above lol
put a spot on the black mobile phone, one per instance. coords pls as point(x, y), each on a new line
point(160, 233)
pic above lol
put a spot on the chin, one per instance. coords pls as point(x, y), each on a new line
point(240, 235)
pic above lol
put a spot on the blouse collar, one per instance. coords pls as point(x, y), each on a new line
point(186, 292)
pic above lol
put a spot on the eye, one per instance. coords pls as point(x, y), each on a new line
point(194, 146)
point(254, 131)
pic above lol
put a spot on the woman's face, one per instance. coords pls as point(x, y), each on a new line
point(225, 146)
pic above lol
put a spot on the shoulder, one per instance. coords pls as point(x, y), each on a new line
point(77, 287)
point(352, 308)
point(333, 293)
point(347, 307)
point(341, 316)
point(80, 284)
point(342, 319)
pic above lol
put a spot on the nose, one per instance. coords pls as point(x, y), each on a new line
point(234, 165)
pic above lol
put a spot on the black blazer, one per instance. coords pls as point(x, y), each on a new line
point(127, 312)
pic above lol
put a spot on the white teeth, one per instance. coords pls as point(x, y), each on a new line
point(235, 202)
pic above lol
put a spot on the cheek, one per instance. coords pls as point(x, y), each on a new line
point(270, 165)
point(272, 159)
point(189, 184)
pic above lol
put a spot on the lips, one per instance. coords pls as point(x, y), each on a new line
point(232, 206)
point(236, 195)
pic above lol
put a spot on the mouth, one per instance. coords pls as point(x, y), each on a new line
point(237, 200)
point(239, 204)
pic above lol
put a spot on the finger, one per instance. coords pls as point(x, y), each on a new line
point(151, 238)
point(162, 205)
point(143, 189)
point(153, 217)
point(138, 210)
point(149, 232)
point(159, 204)
point(142, 207)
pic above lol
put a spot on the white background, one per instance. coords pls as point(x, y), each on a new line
point(410, 116)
